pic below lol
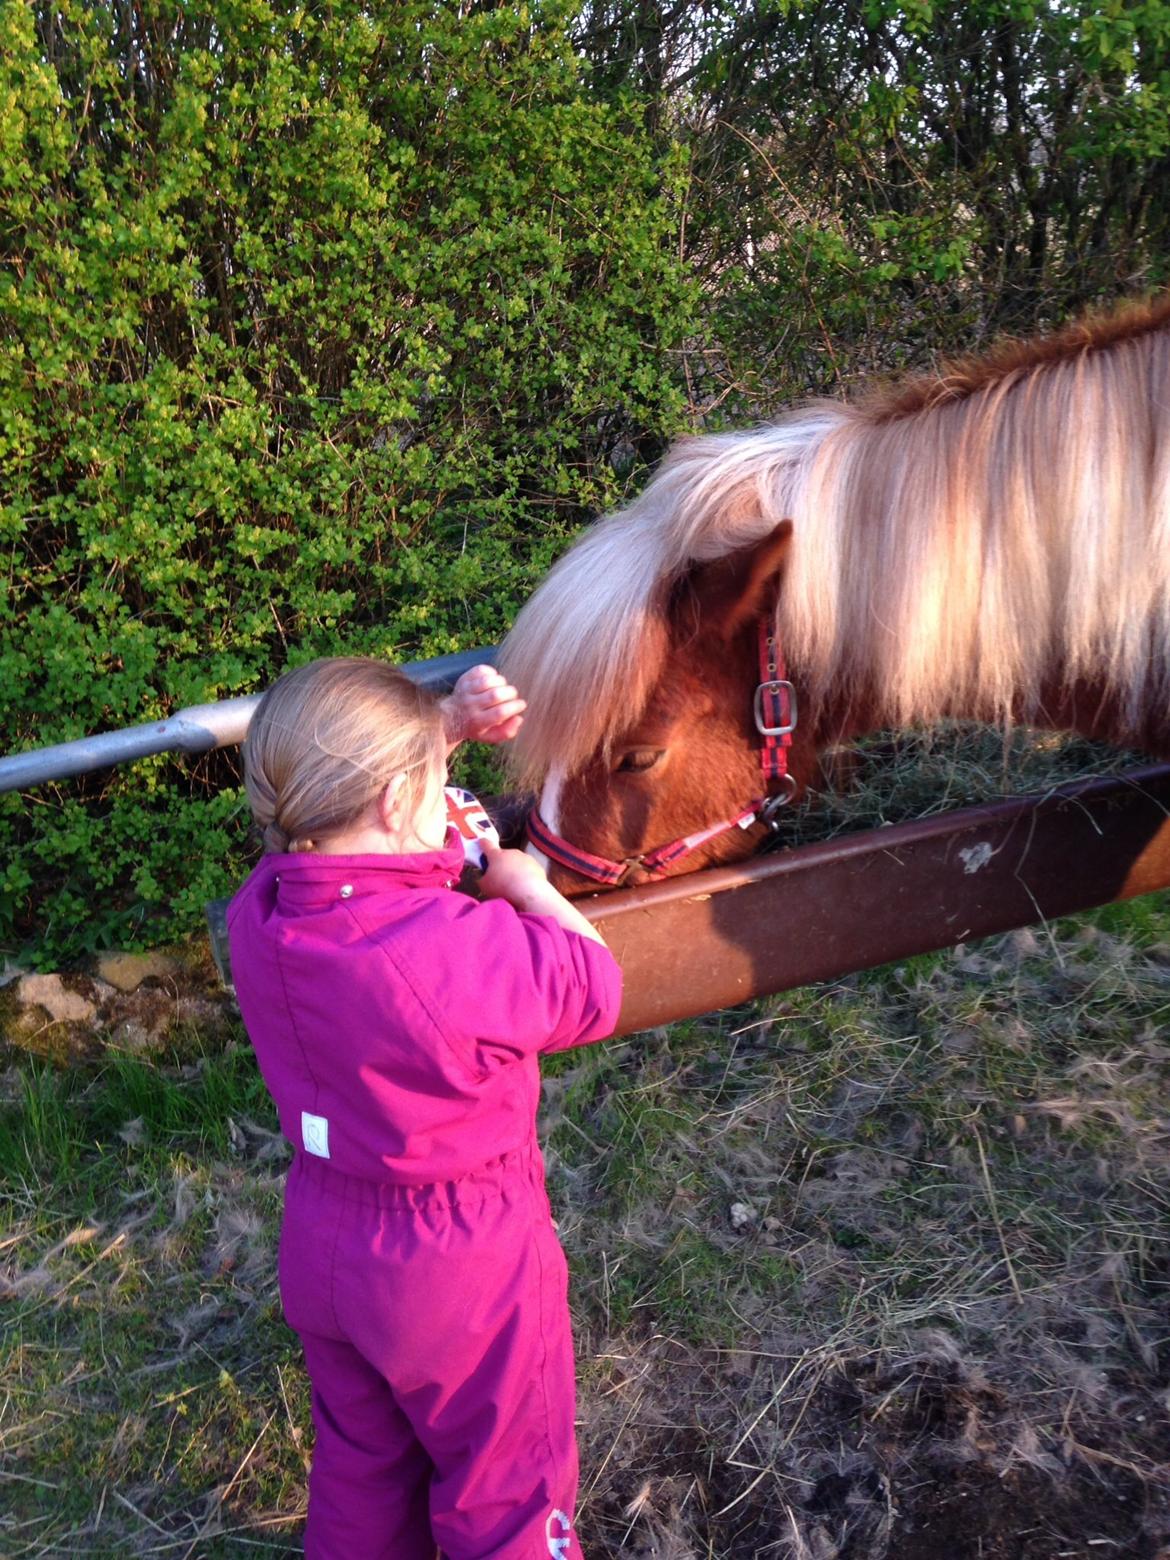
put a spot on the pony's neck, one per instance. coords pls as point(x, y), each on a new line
point(975, 538)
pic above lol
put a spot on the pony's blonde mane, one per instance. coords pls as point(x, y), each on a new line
point(959, 540)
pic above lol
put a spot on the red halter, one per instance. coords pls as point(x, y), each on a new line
point(774, 714)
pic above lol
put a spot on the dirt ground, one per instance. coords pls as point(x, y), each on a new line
point(920, 1470)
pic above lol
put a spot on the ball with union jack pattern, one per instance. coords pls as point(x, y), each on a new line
point(469, 817)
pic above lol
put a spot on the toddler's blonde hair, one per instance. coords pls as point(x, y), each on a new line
point(325, 741)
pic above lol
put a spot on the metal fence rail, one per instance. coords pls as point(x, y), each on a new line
point(717, 938)
point(713, 939)
point(194, 730)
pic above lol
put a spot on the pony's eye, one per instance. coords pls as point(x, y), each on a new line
point(638, 760)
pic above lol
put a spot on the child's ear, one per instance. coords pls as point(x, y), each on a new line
point(391, 804)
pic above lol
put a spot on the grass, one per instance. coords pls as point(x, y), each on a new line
point(876, 1270)
point(142, 1338)
point(892, 777)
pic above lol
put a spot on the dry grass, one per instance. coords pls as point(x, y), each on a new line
point(905, 1243)
point(872, 1271)
point(892, 777)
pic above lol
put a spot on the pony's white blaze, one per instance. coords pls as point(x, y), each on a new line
point(550, 810)
point(960, 543)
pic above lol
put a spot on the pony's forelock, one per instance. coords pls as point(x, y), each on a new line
point(952, 552)
point(589, 646)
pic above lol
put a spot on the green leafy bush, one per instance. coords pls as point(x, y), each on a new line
point(319, 331)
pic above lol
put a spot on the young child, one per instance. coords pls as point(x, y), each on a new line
point(397, 1026)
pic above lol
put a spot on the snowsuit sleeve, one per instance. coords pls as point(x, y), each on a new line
point(512, 984)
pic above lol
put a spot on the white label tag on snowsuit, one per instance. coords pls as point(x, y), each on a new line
point(315, 1134)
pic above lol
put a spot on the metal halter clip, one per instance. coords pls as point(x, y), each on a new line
point(783, 690)
point(775, 805)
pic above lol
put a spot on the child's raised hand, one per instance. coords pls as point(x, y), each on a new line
point(482, 707)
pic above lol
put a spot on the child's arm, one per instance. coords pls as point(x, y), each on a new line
point(523, 972)
point(513, 876)
point(482, 707)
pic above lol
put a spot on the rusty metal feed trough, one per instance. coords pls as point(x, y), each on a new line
point(714, 939)
point(717, 938)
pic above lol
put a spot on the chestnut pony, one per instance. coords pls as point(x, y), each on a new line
point(990, 542)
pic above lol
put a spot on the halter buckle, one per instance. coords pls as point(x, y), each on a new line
point(778, 688)
point(629, 866)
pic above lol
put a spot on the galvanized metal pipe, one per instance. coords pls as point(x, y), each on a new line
point(195, 730)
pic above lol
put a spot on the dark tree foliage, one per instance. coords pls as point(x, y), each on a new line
point(877, 181)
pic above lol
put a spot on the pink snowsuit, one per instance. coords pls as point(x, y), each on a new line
point(397, 1026)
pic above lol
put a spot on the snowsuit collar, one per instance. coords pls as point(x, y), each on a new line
point(305, 878)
